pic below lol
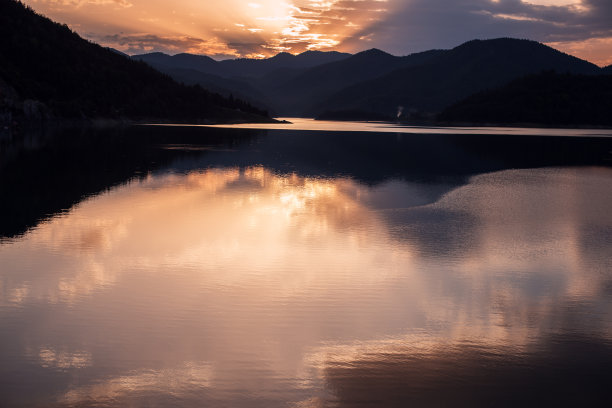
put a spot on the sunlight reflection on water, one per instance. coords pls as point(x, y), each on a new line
point(386, 127)
point(243, 286)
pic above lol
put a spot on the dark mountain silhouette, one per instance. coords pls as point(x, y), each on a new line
point(371, 85)
point(286, 84)
point(117, 52)
point(453, 75)
point(200, 63)
point(248, 79)
point(302, 94)
point(228, 87)
point(56, 73)
point(75, 78)
point(607, 70)
point(548, 98)
point(241, 67)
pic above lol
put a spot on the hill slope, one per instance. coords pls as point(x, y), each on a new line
point(469, 68)
point(547, 98)
point(303, 93)
point(74, 78)
point(253, 80)
point(241, 67)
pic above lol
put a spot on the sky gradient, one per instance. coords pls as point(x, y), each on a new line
point(261, 28)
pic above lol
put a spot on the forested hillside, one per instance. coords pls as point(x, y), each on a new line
point(548, 98)
point(48, 70)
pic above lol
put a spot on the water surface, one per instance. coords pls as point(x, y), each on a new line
point(211, 267)
point(389, 127)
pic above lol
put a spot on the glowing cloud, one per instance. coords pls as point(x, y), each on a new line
point(259, 28)
point(232, 28)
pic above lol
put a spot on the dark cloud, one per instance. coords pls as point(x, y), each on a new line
point(425, 24)
point(397, 26)
point(247, 48)
point(144, 43)
point(227, 45)
point(139, 43)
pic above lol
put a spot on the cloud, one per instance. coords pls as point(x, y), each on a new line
point(79, 3)
point(311, 25)
point(142, 43)
point(265, 27)
point(598, 50)
point(424, 24)
point(233, 28)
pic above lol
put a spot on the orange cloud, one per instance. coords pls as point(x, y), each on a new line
point(233, 27)
point(596, 50)
point(258, 28)
point(79, 3)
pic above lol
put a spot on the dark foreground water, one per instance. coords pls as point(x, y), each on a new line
point(192, 267)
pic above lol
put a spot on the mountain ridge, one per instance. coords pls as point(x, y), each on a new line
point(316, 84)
point(57, 74)
point(76, 78)
point(378, 84)
point(474, 66)
point(242, 67)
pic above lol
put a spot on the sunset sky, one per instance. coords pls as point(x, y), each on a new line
point(259, 28)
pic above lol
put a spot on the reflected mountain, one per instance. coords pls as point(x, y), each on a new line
point(562, 370)
point(248, 286)
point(46, 174)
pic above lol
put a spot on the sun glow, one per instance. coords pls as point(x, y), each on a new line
point(263, 28)
point(247, 258)
point(232, 28)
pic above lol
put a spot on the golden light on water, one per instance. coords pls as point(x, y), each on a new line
point(193, 283)
point(253, 224)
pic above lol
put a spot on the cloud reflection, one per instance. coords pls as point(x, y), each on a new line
point(179, 380)
point(280, 281)
point(63, 360)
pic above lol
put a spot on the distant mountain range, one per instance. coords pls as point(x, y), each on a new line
point(249, 79)
point(241, 67)
point(372, 84)
point(48, 71)
point(455, 75)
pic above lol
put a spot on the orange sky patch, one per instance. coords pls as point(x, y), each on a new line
point(596, 50)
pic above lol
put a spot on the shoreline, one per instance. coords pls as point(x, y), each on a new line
point(22, 124)
point(522, 125)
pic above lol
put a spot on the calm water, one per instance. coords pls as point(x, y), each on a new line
point(176, 266)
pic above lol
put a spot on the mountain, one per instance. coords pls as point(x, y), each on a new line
point(182, 61)
point(241, 67)
point(301, 94)
point(607, 70)
point(53, 72)
point(453, 75)
point(548, 98)
point(371, 84)
point(229, 87)
point(250, 79)
point(118, 52)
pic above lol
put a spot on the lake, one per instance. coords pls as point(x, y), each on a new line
point(315, 265)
